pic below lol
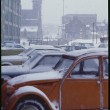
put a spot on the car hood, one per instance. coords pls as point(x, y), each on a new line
point(14, 58)
point(41, 68)
point(13, 70)
point(51, 75)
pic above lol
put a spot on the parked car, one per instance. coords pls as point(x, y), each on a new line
point(78, 81)
point(81, 44)
point(40, 62)
point(26, 54)
point(66, 47)
point(103, 45)
point(11, 48)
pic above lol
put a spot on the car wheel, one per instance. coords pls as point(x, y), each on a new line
point(29, 104)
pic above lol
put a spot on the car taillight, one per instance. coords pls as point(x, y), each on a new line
point(10, 89)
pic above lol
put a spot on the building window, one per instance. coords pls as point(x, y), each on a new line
point(6, 30)
point(10, 4)
point(6, 2)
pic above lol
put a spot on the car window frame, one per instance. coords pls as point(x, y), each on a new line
point(105, 76)
point(80, 60)
point(43, 58)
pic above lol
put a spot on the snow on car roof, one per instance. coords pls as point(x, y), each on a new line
point(97, 51)
point(41, 46)
point(50, 52)
point(80, 41)
point(45, 47)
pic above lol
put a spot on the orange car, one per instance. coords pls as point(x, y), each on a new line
point(78, 81)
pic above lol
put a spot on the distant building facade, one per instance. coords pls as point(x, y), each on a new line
point(31, 24)
point(10, 20)
point(78, 25)
point(102, 28)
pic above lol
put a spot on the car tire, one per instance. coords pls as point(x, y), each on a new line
point(30, 104)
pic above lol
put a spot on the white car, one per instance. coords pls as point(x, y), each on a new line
point(42, 61)
point(81, 44)
point(26, 54)
point(12, 45)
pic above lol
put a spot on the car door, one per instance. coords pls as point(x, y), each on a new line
point(81, 90)
point(105, 82)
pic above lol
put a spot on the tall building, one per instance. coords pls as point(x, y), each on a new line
point(10, 20)
point(78, 25)
point(31, 23)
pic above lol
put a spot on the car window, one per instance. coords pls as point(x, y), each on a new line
point(88, 44)
point(25, 51)
point(64, 64)
point(33, 53)
point(18, 46)
point(33, 57)
point(9, 45)
point(49, 60)
point(86, 68)
point(105, 67)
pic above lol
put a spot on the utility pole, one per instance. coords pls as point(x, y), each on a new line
point(93, 32)
point(96, 35)
point(63, 7)
point(63, 21)
point(40, 34)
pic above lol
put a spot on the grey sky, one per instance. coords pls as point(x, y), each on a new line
point(52, 10)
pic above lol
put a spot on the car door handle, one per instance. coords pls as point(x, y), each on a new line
point(98, 82)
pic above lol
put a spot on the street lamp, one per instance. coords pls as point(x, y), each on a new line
point(63, 7)
point(93, 32)
point(63, 31)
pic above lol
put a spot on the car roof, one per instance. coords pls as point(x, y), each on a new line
point(91, 51)
point(50, 53)
point(45, 47)
point(80, 41)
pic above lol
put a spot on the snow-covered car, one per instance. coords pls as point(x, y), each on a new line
point(26, 54)
point(103, 45)
point(78, 81)
point(81, 44)
point(66, 47)
point(13, 45)
point(11, 48)
point(40, 62)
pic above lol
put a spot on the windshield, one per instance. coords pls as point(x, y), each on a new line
point(25, 51)
point(9, 45)
point(63, 64)
point(32, 58)
point(88, 44)
point(33, 53)
point(18, 46)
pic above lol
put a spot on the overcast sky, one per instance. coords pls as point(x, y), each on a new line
point(52, 10)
